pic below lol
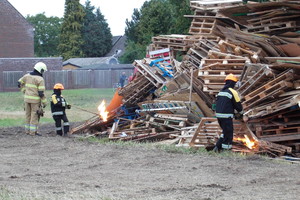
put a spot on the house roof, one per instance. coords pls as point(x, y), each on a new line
point(118, 43)
point(107, 67)
point(82, 62)
point(6, 6)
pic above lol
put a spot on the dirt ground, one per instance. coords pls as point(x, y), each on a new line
point(52, 167)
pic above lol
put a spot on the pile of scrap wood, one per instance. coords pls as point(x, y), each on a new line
point(258, 42)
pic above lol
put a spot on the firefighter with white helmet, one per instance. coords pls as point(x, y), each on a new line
point(58, 109)
point(227, 102)
point(33, 87)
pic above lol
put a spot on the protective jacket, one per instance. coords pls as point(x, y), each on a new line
point(228, 100)
point(33, 86)
point(58, 103)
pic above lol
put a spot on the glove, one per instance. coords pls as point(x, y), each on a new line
point(68, 106)
point(238, 116)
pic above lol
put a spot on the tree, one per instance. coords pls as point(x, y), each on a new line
point(153, 19)
point(46, 34)
point(71, 41)
point(96, 33)
point(180, 24)
point(131, 26)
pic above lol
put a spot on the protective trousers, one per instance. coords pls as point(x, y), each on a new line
point(32, 119)
point(66, 125)
point(225, 141)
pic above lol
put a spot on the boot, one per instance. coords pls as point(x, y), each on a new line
point(216, 149)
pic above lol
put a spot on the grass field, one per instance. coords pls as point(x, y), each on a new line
point(12, 109)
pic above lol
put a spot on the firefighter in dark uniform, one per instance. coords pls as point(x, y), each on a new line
point(228, 100)
point(58, 109)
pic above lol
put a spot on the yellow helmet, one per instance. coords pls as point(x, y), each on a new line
point(231, 77)
point(40, 67)
point(58, 86)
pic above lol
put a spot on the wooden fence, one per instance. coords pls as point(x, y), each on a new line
point(71, 79)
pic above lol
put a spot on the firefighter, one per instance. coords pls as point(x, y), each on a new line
point(33, 87)
point(58, 109)
point(227, 102)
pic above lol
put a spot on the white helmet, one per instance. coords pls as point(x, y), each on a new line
point(40, 67)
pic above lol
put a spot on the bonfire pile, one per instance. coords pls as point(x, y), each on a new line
point(172, 102)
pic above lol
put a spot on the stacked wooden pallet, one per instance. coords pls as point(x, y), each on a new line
point(215, 4)
point(137, 90)
point(151, 73)
point(199, 51)
point(148, 128)
point(272, 103)
point(175, 42)
point(274, 20)
point(221, 42)
point(216, 67)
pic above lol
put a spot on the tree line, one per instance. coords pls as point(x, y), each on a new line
point(84, 32)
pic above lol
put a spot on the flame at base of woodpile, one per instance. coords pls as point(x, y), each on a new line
point(102, 111)
point(251, 144)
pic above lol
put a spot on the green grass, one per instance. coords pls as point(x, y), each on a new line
point(164, 147)
point(12, 108)
point(11, 122)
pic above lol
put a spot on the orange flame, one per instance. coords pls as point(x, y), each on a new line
point(250, 144)
point(102, 112)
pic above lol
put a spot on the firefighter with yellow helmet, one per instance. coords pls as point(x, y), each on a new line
point(227, 102)
point(33, 87)
point(58, 109)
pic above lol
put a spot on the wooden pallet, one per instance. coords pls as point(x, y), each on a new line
point(265, 92)
point(207, 133)
point(249, 70)
point(218, 72)
point(274, 106)
point(223, 64)
point(134, 86)
point(171, 122)
point(202, 26)
point(199, 51)
point(267, 20)
point(219, 55)
point(273, 27)
point(150, 73)
point(257, 80)
point(241, 50)
point(272, 89)
point(280, 127)
point(176, 42)
point(215, 4)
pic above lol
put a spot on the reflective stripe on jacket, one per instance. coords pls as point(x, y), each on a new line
point(58, 104)
point(31, 85)
point(228, 100)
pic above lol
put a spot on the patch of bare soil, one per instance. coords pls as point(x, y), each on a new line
point(53, 167)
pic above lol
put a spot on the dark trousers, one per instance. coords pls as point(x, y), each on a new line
point(66, 125)
point(225, 141)
point(122, 84)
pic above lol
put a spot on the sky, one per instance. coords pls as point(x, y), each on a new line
point(114, 11)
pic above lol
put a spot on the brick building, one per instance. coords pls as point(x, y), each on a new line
point(16, 34)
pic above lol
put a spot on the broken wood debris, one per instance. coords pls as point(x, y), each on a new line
point(258, 42)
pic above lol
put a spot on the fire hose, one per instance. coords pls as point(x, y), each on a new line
point(77, 107)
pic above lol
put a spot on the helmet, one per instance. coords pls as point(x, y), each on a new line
point(58, 86)
point(40, 67)
point(231, 77)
